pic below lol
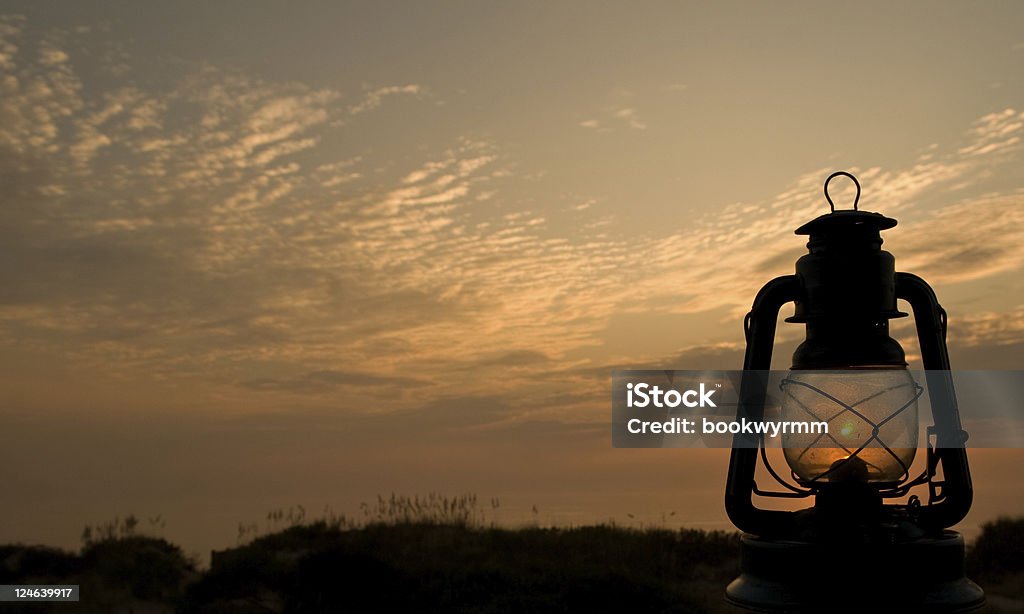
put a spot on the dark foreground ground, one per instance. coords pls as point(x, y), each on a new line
point(429, 567)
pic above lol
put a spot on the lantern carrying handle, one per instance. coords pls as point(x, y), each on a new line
point(855, 182)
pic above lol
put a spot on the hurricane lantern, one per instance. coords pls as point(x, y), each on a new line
point(868, 541)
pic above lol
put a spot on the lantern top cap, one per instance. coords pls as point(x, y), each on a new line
point(848, 220)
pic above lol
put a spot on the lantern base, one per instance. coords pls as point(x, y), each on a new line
point(925, 574)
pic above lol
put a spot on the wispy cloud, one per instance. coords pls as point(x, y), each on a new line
point(615, 118)
point(211, 232)
point(374, 98)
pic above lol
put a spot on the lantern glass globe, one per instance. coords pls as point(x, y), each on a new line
point(872, 418)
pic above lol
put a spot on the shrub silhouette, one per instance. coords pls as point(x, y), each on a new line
point(998, 549)
point(20, 562)
point(338, 581)
point(454, 568)
point(148, 568)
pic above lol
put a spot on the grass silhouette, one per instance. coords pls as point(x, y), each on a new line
point(429, 553)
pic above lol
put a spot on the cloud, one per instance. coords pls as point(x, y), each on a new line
point(328, 379)
point(519, 358)
point(375, 98)
point(629, 116)
point(615, 117)
point(995, 132)
point(971, 239)
point(989, 329)
point(619, 112)
point(216, 231)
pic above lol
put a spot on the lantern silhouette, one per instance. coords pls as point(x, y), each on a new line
point(851, 550)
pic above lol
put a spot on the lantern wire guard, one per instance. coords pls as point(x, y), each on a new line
point(896, 489)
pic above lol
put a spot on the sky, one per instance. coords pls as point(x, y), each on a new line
point(257, 254)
